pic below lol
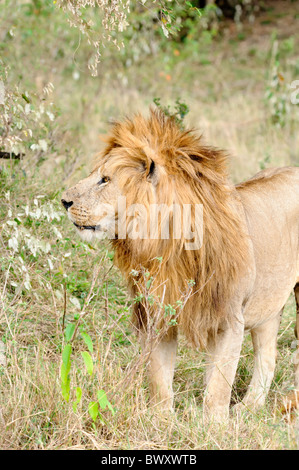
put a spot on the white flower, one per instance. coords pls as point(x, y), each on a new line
point(165, 30)
point(50, 264)
point(58, 294)
point(2, 92)
point(57, 233)
point(12, 223)
point(76, 75)
point(75, 302)
point(34, 147)
point(43, 145)
point(13, 243)
point(50, 115)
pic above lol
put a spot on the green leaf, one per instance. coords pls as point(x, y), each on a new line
point(87, 340)
point(88, 361)
point(65, 372)
point(110, 407)
point(149, 282)
point(25, 98)
point(66, 355)
point(65, 389)
point(78, 398)
point(102, 399)
point(93, 409)
point(78, 394)
point(69, 330)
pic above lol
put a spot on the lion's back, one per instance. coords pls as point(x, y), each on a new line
point(270, 177)
point(274, 190)
point(271, 205)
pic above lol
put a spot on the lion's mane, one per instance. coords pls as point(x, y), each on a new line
point(189, 172)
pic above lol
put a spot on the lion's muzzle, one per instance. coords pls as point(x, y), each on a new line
point(66, 204)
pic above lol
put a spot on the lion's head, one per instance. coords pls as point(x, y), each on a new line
point(147, 162)
point(150, 162)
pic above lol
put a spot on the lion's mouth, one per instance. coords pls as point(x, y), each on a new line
point(87, 227)
point(94, 228)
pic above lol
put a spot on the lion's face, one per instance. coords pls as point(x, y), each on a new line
point(92, 205)
point(148, 164)
point(98, 205)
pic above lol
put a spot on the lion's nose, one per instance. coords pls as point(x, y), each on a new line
point(67, 204)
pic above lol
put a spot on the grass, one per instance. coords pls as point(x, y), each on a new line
point(224, 84)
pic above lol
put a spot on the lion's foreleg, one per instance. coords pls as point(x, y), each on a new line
point(223, 357)
point(160, 369)
point(264, 338)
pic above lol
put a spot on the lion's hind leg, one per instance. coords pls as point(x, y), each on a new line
point(264, 338)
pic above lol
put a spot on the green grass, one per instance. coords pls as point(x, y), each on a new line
point(224, 85)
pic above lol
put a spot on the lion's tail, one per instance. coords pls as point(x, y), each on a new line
point(296, 291)
point(291, 402)
point(296, 361)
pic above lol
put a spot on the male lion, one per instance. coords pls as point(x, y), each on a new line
point(243, 272)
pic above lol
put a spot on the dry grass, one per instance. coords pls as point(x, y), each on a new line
point(35, 416)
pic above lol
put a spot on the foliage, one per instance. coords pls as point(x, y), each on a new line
point(120, 23)
point(179, 112)
point(71, 361)
point(18, 233)
point(27, 121)
point(277, 92)
point(137, 26)
point(68, 362)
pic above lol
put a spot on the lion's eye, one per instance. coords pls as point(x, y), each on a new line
point(103, 180)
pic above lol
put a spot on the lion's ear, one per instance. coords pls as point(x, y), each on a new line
point(151, 169)
point(152, 173)
point(150, 165)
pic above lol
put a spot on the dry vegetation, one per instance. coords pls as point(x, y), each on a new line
point(47, 277)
